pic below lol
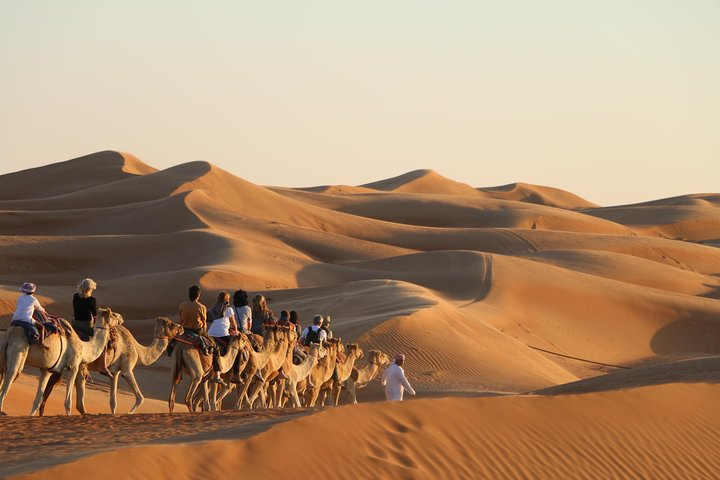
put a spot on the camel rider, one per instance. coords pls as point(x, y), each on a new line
point(193, 314)
point(85, 311)
point(314, 333)
point(395, 382)
point(326, 327)
point(26, 306)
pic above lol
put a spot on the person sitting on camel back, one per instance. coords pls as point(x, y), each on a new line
point(26, 306)
point(193, 314)
point(326, 327)
point(243, 313)
point(221, 329)
point(261, 315)
point(314, 333)
point(85, 312)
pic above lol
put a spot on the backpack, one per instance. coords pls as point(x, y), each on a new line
point(312, 336)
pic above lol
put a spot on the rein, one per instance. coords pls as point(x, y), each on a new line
point(59, 356)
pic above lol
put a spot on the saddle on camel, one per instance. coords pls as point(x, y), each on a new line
point(43, 325)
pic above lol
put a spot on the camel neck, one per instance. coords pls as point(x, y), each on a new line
point(147, 355)
point(94, 347)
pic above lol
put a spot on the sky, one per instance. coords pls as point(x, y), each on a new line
point(616, 101)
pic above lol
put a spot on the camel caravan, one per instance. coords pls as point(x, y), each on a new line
point(232, 349)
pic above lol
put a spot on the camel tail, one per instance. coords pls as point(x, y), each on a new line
point(3, 356)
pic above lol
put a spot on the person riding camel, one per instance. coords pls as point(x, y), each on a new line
point(85, 311)
point(193, 314)
point(221, 329)
point(26, 306)
point(261, 315)
point(243, 313)
point(326, 327)
point(314, 333)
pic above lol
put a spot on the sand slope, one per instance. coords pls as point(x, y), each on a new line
point(494, 290)
point(499, 276)
point(521, 437)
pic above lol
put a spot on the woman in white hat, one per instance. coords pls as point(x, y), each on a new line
point(25, 308)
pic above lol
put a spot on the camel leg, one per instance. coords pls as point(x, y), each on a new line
point(252, 396)
point(175, 372)
point(12, 370)
point(350, 384)
point(224, 391)
point(194, 383)
point(242, 394)
point(213, 397)
point(292, 385)
point(113, 392)
point(70, 386)
point(337, 388)
point(42, 383)
point(312, 397)
point(132, 382)
point(80, 383)
point(206, 395)
point(55, 377)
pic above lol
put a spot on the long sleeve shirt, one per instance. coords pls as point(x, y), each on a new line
point(26, 306)
point(395, 383)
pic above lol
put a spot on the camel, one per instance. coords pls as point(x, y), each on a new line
point(276, 360)
point(121, 361)
point(323, 371)
point(343, 370)
point(271, 347)
point(273, 379)
point(62, 353)
point(187, 359)
point(298, 373)
point(254, 362)
point(360, 377)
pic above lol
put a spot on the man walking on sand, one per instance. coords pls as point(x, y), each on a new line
point(394, 381)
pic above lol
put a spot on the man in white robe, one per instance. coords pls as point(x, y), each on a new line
point(394, 381)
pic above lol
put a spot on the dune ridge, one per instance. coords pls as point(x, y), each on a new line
point(498, 290)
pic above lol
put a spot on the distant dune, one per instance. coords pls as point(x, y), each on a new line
point(505, 289)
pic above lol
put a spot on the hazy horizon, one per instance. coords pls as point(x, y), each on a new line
point(615, 102)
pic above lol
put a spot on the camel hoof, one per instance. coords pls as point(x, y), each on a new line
point(3, 414)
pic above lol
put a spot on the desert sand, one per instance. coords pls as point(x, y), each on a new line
point(546, 336)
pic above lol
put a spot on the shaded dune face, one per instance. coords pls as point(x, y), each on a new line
point(475, 285)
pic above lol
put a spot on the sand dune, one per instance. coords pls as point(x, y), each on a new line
point(542, 195)
point(504, 289)
point(521, 437)
point(67, 177)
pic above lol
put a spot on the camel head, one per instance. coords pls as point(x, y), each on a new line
point(318, 350)
point(379, 358)
point(271, 333)
point(354, 348)
point(238, 342)
point(288, 333)
point(108, 319)
point(165, 327)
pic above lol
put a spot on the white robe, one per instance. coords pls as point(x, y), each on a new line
point(395, 383)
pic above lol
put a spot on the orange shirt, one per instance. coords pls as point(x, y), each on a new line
point(193, 314)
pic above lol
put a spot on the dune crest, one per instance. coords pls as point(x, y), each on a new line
point(499, 290)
